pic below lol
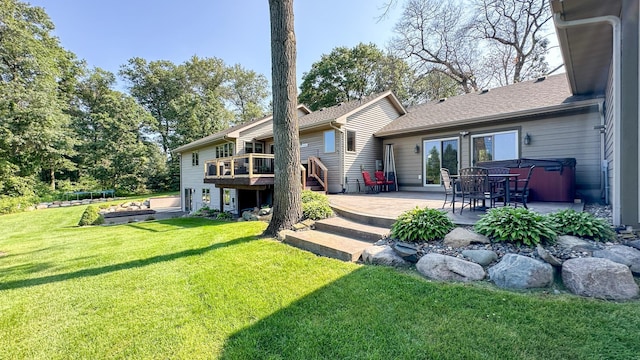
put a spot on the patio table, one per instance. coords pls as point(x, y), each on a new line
point(507, 177)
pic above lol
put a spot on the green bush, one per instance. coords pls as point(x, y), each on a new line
point(316, 210)
point(582, 224)
point(315, 205)
point(308, 196)
point(13, 204)
point(224, 216)
point(91, 216)
point(419, 225)
point(516, 225)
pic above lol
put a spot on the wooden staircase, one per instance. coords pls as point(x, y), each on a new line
point(313, 184)
point(338, 238)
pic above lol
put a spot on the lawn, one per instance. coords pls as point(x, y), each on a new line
point(193, 288)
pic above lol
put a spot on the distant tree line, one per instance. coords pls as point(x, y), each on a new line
point(66, 127)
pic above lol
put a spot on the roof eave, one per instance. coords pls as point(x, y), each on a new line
point(479, 120)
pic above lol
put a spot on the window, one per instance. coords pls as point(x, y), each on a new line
point(195, 158)
point(253, 147)
point(206, 196)
point(351, 140)
point(227, 197)
point(330, 141)
point(224, 150)
point(439, 153)
point(495, 146)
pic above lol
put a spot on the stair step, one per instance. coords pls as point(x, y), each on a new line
point(326, 244)
point(314, 188)
point(352, 229)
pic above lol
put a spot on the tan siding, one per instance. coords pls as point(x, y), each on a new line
point(568, 136)
point(315, 147)
point(610, 127)
point(368, 148)
point(253, 132)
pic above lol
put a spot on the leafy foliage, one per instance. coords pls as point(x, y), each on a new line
point(91, 216)
point(419, 225)
point(13, 204)
point(224, 215)
point(516, 225)
point(315, 206)
point(582, 224)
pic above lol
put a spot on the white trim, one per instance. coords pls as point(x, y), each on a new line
point(424, 167)
point(517, 142)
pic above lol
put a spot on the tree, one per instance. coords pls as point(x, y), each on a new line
point(435, 35)
point(348, 74)
point(248, 93)
point(110, 125)
point(287, 188)
point(36, 82)
point(515, 29)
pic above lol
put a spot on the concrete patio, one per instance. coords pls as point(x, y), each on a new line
point(391, 204)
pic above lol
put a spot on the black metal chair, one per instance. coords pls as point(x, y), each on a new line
point(520, 192)
point(498, 185)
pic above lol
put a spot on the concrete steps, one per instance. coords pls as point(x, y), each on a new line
point(337, 238)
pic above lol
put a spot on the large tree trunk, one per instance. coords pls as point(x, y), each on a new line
point(287, 208)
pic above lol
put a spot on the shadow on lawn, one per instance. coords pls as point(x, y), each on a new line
point(122, 266)
point(376, 313)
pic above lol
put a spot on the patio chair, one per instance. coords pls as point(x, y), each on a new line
point(379, 175)
point(447, 183)
point(474, 186)
point(498, 185)
point(371, 184)
point(520, 192)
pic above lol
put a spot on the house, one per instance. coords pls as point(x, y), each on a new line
point(590, 114)
point(532, 119)
point(233, 170)
point(599, 43)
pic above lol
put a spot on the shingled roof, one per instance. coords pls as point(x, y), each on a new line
point(526, 98)
point(341, 111)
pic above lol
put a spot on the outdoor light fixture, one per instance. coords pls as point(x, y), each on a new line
point(527, 139)
point(464, 133)
point(417, 149)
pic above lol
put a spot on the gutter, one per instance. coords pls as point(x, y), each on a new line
point(614, 21)
point(506, 116)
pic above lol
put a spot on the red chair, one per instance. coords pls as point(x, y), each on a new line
point(373, 185)
point(380, 178)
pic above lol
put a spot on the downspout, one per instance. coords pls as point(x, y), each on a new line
point(614, 21)
point(604, 165)
point(342, 156)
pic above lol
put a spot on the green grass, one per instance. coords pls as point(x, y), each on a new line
point(193, 288)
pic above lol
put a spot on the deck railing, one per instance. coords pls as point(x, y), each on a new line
point(249, 165)
point(318, 171)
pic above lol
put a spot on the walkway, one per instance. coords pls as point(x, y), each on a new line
point(392, 204)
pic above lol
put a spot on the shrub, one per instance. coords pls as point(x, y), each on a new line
point(316, 210)
point(224, 216)
point(91, 216)
point(516, 225)
point(315, 206)
point(582, 224)
point(308, 196)
point(421, 225)
point(13, 204)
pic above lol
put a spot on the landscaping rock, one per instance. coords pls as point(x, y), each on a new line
point(264, 211)
point(382, 255)
point(546, 256)
point(634, 244)
point(623, 255)
point(569, 242)
point(408, 252)
point(299, 227)
point(461, 237)
point(482, 257)
point(449, 268)
point(249, 216)
point(521, 272)
point(309, 223)
point(599, 278)
point(42, 206)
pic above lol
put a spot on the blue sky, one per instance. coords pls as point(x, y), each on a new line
point(108, 33)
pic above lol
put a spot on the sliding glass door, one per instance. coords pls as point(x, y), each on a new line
point(439, 153)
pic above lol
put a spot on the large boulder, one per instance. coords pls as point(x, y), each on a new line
point(623, 255)
point(570, 242)
point(448, 268)
point(634, 243)
point(382, 255)
point(461, 237)
point(521, 272)
point(482, 257)
point(599, 278)
point(547, 256)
